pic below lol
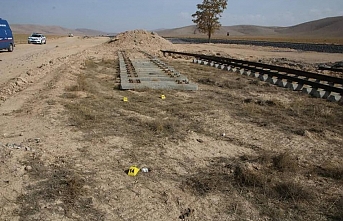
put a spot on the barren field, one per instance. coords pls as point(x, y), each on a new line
point(236, 149)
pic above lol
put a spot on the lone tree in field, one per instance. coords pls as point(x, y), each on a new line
point(207, 16)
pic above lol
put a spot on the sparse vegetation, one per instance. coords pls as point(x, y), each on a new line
point(62, 192)
point(331, 170)
point(285, 162)
point(270, 178)
point(233, 150)
point(249, 177)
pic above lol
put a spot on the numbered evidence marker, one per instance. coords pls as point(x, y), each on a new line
point(163, 97)
point(133, 170)
point(125, 99)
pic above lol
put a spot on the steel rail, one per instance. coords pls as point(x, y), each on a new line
point(331, 69)
point(274, 71)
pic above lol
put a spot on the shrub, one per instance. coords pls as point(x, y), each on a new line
point(285, 162)
point(331, 170)
point(247, 177)
point(292, 191)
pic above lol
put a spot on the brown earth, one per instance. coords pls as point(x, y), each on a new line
point(236, 149)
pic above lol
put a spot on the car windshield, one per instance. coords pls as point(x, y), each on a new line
point(35, 35)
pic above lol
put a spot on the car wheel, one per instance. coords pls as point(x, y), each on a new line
point(10, 48)
point(28, 42)
point(45, 42)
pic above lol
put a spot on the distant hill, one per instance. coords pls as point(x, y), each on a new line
point(328, 27)
point(52, 30)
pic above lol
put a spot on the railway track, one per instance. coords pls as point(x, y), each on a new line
point(317, 85)
point(140, 70)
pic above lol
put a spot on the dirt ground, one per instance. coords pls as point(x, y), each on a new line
point(236, 149)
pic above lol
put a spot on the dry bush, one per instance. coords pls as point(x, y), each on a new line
point(339, 206)
point(162, 126)
point(72, 88)
point(251, 109)
point(315, 111)
point(69, 95)
point(289, 190)
point(51, 102)
point(200, 186)
point(336, 209)
point(267, 102)
point(255, 82)
point(81, 115)
point(330, 170)
point(81, 85)
point(232, 84)
point(208, 181)
point(222, 82)
point(285, 162)
point(247, 177)
point(90, 64)
point(207, 81)
point(265, 158)
point(107, 63)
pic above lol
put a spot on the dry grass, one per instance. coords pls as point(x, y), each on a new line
point(292, 191)
point(58, 190)
point(270, 177)
point(302, 114)
point(275, 183)
point(90, 64)
point(285, 162)
point(331, 170)
point(248, 177)
point(269, 184)
point(335, 209)
point(81, 85)
point(257, 181)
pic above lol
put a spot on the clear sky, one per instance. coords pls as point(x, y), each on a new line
point(123, 15)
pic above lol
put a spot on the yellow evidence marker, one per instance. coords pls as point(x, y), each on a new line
point(133, 170)
point(163, 97)
point(125, 99)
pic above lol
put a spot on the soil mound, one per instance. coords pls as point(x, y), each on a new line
point(150, 42)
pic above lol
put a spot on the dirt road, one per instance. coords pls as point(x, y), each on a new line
point(25, 77)
point(29, 56)
point(236, 149)
point(29, 64)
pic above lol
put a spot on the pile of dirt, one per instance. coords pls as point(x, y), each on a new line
point(147, 41)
